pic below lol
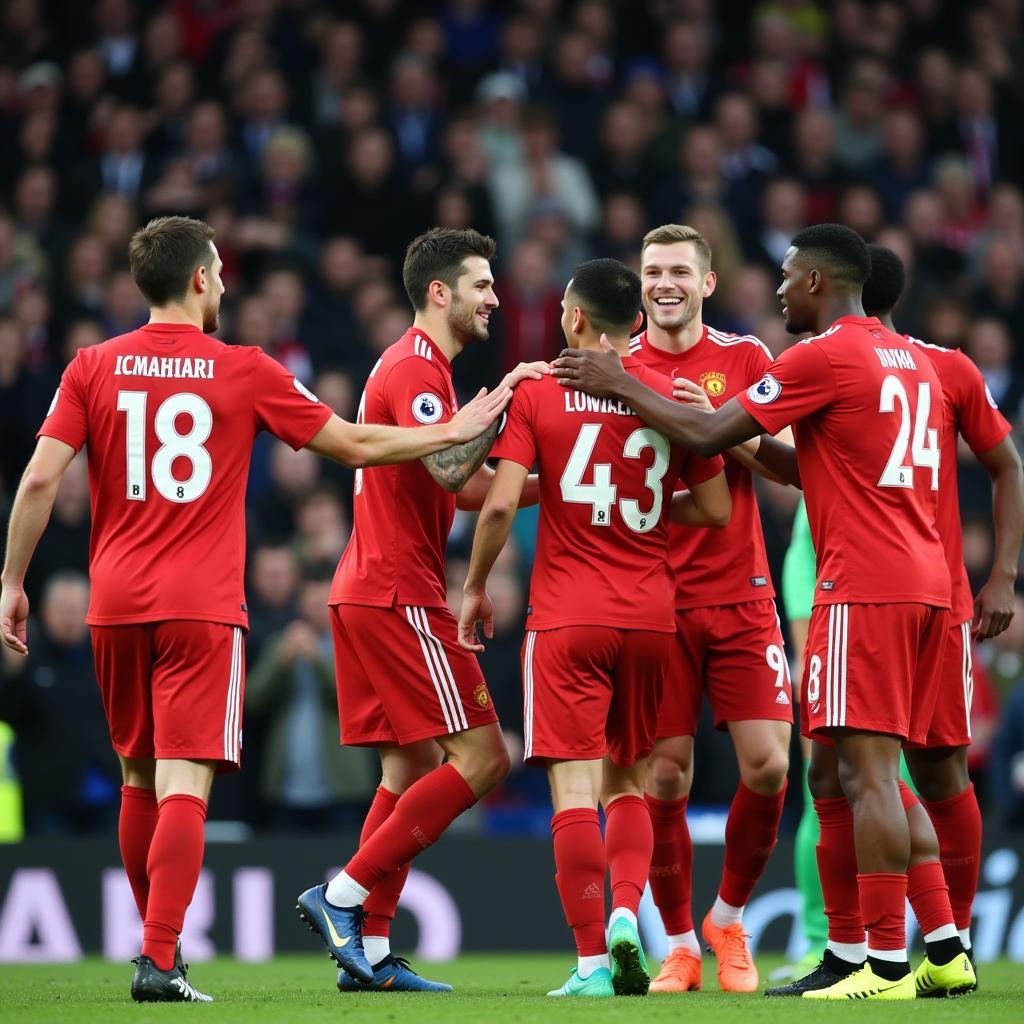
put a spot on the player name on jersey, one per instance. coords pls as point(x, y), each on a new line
point(577, 401)
point(164, 366)
point(896, 358)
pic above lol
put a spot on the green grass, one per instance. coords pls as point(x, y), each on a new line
point(507, 988)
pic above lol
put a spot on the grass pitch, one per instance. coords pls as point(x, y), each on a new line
point(506, 988)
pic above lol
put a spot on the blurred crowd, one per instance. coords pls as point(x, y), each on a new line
point(319, 137)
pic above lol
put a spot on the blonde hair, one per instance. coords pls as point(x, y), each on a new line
point(668, 234)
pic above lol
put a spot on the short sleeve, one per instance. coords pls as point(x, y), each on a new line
point(67, 419)
point(517, 441)
point(696, 470)
point(417, 393)
point(980, 422)
point(800, 382)
point(284, 406)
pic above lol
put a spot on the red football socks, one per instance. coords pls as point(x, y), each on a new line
point(751, 832)
point(135, 828)
point(421, 814)
point(382, 902)
point(882, 905)
point(957, 823)
point(629, 842)
point(580, 867)
point(928, 896)
point(175, 860)
point(837, 868)
point(672, 864)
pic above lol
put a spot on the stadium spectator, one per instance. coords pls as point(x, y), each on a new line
point(69, 776)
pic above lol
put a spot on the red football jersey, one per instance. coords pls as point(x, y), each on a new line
point(402, 515)
point(727, 566)
point(866, 409)
point(971, 411)
point(168, 415)
point(606, 480)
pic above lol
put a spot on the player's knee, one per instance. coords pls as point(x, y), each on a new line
point(938, 780)
point(666, 779)
point(766, 774)
point(823, 781)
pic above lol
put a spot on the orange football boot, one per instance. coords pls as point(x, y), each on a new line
point(736, 970)
point(680, 972)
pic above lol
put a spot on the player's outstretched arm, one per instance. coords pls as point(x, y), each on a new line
point(695, 397)
point(372, 444)
point(492, 529)
point(993, 607)
point(704, 504)
point(29, 515)
point(602, 374)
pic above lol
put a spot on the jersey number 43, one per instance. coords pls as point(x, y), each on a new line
point(601, 494)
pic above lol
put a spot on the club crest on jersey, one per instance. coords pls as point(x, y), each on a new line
point(481, 696)
point(765, 391)
point(426, 407)
point(713, 383)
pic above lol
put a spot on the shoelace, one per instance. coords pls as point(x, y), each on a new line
point(736, 952)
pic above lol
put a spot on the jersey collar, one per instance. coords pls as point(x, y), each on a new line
point(436, 354)
point(664, 353)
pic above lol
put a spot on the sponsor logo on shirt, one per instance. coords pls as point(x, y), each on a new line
point(828, 584)
point(759, 581)
point(303, 390)
point(426, 407)
point(713, 383)
point(765, 391)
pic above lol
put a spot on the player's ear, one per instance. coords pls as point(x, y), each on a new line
point(579, 320)
point(201, 278)
point(710, 283)
point(437, 292)
point(637, 322)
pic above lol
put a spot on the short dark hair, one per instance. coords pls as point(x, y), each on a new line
point(838, 252)
point(163, 255)
point(438, 255)
point(883, 288)
point(608, 292)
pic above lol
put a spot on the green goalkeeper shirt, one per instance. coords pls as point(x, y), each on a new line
point(799, 569)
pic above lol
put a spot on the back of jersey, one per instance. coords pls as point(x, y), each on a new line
point(606, 483)
point(867, 413)
point(168, 415)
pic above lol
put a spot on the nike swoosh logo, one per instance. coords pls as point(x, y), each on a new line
point(389, 982)
point(335, 937)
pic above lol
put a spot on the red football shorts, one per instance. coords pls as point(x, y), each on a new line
point(403, 677)
point(735, 654)
point(589, 691)
point(873, 667)
point(951, 720)
point(173, 689)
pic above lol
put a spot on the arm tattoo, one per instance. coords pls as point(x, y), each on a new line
point(452, 467)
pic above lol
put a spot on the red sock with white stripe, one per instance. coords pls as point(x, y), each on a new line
point(421, 815)
point(175, 860)
point(135, 827)
point(837, 868)
point(957, 823)
point(629, 842)
point(751, 832)
point(672, 865)
point(580, 867)
point(382, 902)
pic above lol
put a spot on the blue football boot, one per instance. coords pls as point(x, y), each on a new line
point(392, 974)
point(341, 928)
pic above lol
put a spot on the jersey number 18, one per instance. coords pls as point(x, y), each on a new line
point(172, 445)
